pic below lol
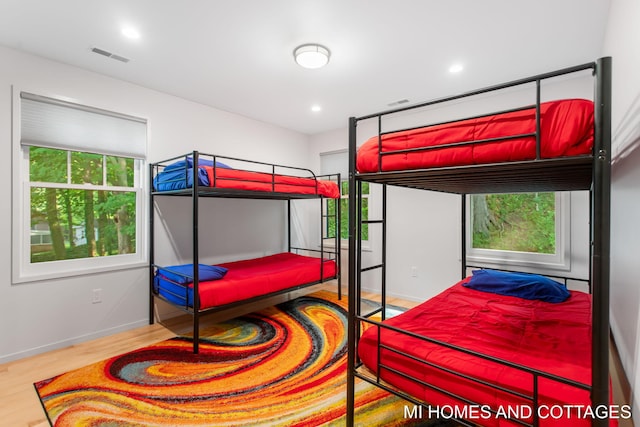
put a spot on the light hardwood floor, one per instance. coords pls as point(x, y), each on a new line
point(20, 406)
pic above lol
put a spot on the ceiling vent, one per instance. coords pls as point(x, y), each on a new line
point(109, 54)
point(399, 102)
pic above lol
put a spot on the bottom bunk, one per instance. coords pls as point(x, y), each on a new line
point(496, 359)
point(234, 282)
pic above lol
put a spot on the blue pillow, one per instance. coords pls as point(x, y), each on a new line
point(174, 179)
point(184, 273)
point(189, 163)
point(523, 285)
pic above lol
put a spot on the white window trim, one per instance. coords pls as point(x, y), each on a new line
point(561, 260)
point(23, 271)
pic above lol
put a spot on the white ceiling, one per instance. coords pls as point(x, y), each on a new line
point(236, 55)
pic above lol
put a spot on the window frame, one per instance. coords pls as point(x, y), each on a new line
point(561, 260)
point(23, 271)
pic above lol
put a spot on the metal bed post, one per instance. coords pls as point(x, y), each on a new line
point(151, 250)
point(383, 283)
point(590, 274)
point(321, 241)
point(601, 237)
point(538, 135)
point(359, 269)
point(196, 278)
point(351, 328)
point(338, 219)
point(289, 225)
point(463, 239)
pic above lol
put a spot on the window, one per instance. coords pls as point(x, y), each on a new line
point(527, 229)
point(79, 207)
point(337, 162)
point(89, 212)
point(344, 212)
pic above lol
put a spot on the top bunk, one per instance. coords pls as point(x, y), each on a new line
point(545, 146)
point(221, 176)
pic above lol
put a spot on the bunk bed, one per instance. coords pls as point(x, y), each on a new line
point(468, 348)
point(200, 289)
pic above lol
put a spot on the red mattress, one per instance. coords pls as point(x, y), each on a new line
point(250, 278)
point(258, 181)
point(566, 130)
point(554, 338)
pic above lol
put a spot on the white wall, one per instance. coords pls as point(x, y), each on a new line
point(424, 227)
point(40, 316)
point(621, 42)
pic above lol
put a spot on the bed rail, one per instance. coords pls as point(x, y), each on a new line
point(536, 374)
point(537, 172)
point(232, 177)
point(535, 79)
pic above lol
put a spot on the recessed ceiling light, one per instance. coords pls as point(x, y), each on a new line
point(311, 55)
point(316, 108)
point(456, 68)
point(130, 33)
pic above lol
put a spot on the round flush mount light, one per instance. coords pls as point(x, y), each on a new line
point(311, 55)
point(130, 33)
point(456, 68)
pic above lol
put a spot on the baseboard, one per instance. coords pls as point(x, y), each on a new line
point(394, 295)
point(625, 360)
point(71, 341)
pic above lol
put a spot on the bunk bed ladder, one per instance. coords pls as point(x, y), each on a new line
point(463, 236)
point(326, 217)
point(382, 265)
point(355, 273)
point(383, 223)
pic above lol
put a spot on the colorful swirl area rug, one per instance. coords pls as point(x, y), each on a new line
point(282, 366)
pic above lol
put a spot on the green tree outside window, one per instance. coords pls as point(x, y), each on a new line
point(521, 222)
point(83, 205)
point(344, 212)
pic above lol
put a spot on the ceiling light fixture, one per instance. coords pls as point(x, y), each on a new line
point(311, 55)
point(456, 68)
point(316, 108)
point(131, 33)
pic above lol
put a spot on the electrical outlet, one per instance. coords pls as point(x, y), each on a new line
point(97, 296)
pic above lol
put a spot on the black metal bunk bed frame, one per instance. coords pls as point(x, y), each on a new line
point(591, 172)
point(194, 190)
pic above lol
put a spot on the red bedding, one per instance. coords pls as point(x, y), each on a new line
point(554, 338)
point(566, 130)
point(252, 278)
point(258, 181)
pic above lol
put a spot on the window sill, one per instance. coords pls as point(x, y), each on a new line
point(345, 247)
point(77, 272)
point(538, 261)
